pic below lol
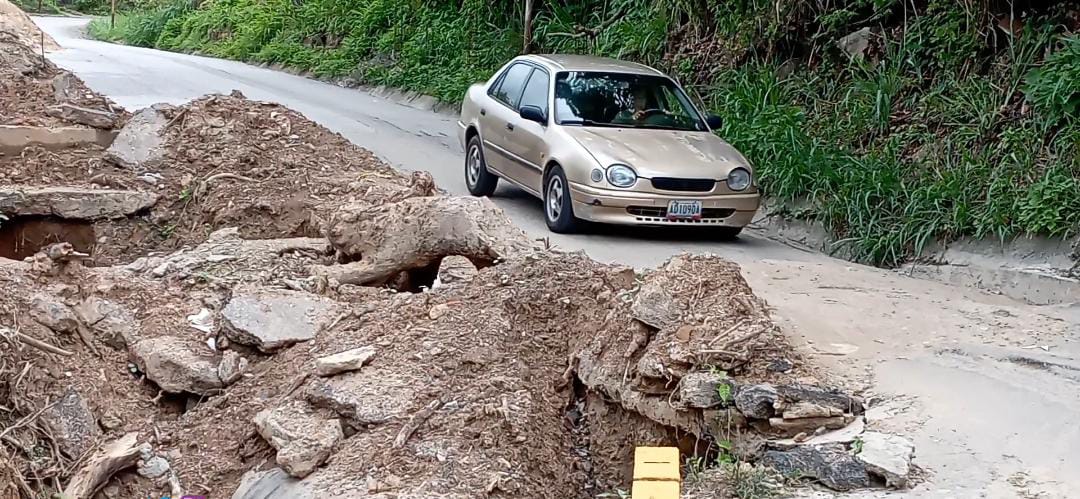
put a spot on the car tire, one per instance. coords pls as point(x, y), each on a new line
point(478, 179)
point(728, 233)
point(558, 207)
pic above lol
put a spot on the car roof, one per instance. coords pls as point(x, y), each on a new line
point(569, 62)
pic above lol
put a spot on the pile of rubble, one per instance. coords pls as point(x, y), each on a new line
point(313, 323)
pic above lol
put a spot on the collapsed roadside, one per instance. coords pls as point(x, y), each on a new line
point(374, 340)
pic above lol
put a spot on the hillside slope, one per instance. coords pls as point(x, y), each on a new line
point(892, 123)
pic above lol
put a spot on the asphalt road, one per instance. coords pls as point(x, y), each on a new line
point(407, 137)
point(986, 387)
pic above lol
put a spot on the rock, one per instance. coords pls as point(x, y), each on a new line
point(756, 401)
point(439, 310)
point(111, 324)
point(888, 456)
point(349, 360)
point(655, 306)
point(272, 319)
point(829, 464)
point(303, 439)
point(810, 410)
point(232, 367)
point(826, 397)
point(791, 427)
point(371, 396)
point(701, 390)
point(844, 435)
point(74, 202)
point(72, 424)
point(780, 365)
point(111, 420)
point(50, 312)
point(388, 239)
point(65, 87)
point(141, 144)
point(455, 268)
point(274, 483)
point(176, 366)
point(83, 116)
point(153, 467)
point(855, 44)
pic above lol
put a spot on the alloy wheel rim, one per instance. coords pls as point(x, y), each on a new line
point(473, 171)
point(555, 198)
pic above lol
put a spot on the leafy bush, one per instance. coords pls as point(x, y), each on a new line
point(1054, 88)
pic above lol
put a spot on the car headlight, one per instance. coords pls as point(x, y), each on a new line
point(621, 176)
point(738, 179)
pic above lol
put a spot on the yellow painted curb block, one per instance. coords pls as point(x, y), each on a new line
point(656, 473)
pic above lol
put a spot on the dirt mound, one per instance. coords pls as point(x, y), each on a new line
point(31, 87)
point(13, 20)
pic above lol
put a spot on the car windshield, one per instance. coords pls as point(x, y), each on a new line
point(623, 100)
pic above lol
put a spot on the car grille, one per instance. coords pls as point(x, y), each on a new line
point(683, 184)
point(659, 214)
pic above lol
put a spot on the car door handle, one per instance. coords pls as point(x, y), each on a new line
point(483, 112)
point(510, 126)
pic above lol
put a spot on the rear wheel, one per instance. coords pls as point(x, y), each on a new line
point(478, 179)
point(558, 207)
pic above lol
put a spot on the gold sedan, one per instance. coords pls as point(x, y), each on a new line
point(604, 141)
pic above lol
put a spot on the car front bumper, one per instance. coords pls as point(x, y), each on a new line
point(641, 208)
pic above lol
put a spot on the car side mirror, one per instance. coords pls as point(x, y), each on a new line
point(714, 122)
point(533, 113)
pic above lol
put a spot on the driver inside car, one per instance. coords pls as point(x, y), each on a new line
point(640, 111)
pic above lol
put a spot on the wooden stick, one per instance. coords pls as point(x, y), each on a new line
point(415, 422)
point(115, 456)
point(34, 342)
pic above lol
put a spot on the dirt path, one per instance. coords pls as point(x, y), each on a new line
point(985, 386)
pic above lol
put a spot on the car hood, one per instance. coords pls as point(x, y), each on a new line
point(661, 153)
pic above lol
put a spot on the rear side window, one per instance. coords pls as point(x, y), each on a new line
point(508, 91)
point(536, 91)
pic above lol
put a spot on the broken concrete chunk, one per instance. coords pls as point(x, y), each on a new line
point(845, 435)
point(888, 456)
point(302, 438)
point(455, 268)
point(272, 319)
point(111, 324)
point(702, 390)
point(83, 116)
point(830, 464)
point(371, 396)
point(349, 360)
point(65, 87)
point(141, 143)
point(232, 367)
point(72, 424)
point(756, 401)
point(654, 305)
point(50, 312)
point(74, 202)
point(176, 366)
point(151, 466)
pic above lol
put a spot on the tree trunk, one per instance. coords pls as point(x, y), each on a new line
point(528, 27)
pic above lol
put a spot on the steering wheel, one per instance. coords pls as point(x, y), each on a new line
point(648, 113)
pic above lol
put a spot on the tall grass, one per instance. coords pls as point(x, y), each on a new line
point(947, 127)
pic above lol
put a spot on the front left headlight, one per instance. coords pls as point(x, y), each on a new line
point(621, 176)
point(739, 179)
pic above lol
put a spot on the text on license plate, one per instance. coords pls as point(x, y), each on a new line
point(684, 209)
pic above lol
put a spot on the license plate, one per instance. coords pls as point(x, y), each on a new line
point(684, 209)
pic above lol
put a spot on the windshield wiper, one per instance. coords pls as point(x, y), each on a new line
point(584, 122)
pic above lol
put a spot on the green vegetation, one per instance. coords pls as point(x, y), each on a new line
point(68, 6)
point(959, 119)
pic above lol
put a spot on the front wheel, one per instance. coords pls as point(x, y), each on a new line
point(558, 207)
point(478, 179)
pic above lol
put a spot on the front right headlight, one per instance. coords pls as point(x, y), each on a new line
point(621, 176)
point(739, 179)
